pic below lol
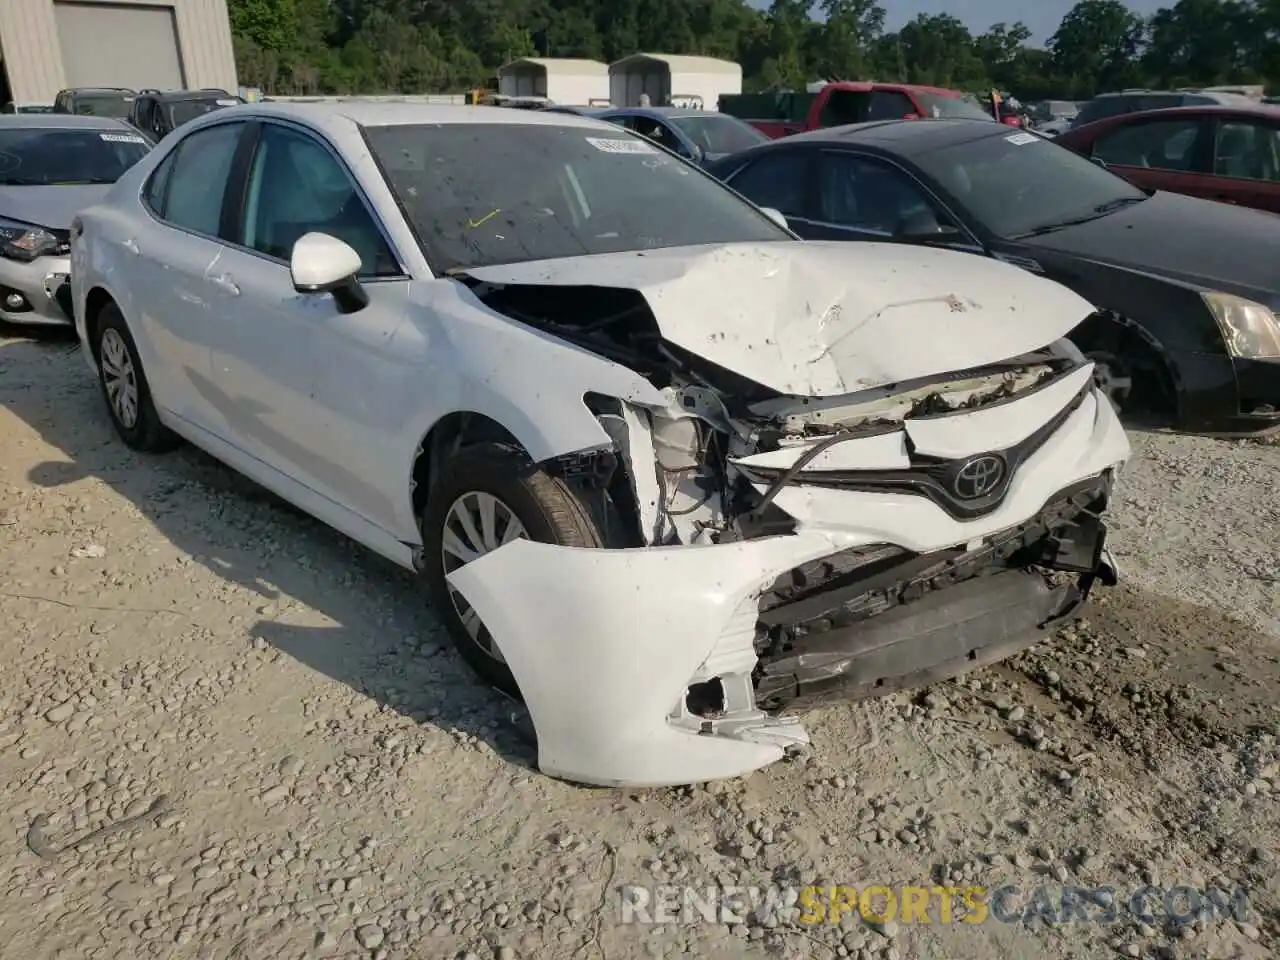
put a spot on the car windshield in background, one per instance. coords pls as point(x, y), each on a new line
point(1020, 183)
point(721, 135)
point(580, 191)
point(184, 111)
point(957, 108)
point(36, 156)
point(110, 105)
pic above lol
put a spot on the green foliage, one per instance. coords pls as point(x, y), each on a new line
point(430, 46)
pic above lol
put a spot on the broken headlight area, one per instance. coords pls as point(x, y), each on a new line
point(873, 620)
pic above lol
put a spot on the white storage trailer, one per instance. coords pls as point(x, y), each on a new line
point(673, 80)
point(573, 82)
point(46, 45)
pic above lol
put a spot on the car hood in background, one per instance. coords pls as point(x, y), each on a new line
point(827, 318)
point(1201, 242)
point(52, 207)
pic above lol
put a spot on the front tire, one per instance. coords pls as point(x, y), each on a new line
point(485, 497)
point(124, 386)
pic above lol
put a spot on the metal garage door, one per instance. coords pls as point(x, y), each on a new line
point(118, 45)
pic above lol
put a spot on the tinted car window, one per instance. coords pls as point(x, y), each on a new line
point(48, 156)
point(1160, 101)
point(775, 180)
point(198, 180)
point(655, 130)
point(889, 105)
point(1158, 144)
point(103, 105)
point(1102, 107)
point(579, 192)
point(867, 194)
point(1016, 183)
point(845, 106)
point(296, 186)
point(719, 135)
point(1250, 151)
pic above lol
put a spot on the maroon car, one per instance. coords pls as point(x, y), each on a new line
point(1230, 154)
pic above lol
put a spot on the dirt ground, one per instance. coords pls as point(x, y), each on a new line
point(296, 764)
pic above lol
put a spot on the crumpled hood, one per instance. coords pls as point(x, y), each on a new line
point(52, 207)
point(827, 318)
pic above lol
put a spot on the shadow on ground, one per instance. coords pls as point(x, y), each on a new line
point(384, 643)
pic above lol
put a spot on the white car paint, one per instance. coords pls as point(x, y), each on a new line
point(329, 409)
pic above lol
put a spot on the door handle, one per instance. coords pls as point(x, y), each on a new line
point(225, 282)
point(131, 245)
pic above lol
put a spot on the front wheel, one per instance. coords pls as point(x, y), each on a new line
point(125, 388)
point(486, 497)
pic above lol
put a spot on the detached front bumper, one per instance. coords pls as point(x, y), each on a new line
point(38, 292)
point(618, 652)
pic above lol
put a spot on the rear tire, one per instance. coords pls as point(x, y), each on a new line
point(124, 386)
point(496, 483)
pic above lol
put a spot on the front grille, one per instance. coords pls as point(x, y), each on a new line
point(933, 477)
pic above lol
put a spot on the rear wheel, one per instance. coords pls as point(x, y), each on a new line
point(124, 386)
point(485, 497)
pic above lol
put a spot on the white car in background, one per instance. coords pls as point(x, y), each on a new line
point(51, 165)
point(665, 468)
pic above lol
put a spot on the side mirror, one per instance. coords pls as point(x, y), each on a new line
point(695, 153)
point(324, 264)
point(923, 227)
point(776, 216)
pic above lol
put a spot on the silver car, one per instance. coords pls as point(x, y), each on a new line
point(51, 167)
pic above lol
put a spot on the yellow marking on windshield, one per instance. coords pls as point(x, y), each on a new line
point(483, 220)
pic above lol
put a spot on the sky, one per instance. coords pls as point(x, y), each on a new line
point(1041, 16)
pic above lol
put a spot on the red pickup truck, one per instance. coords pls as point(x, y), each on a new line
point(782, 114)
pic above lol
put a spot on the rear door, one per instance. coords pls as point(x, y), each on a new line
point(1161, 153)
point(1246, 163)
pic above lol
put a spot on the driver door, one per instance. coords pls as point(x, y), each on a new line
point(308, 389)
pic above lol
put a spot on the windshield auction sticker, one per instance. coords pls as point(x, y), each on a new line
point(611, 145)
point(1022, 139)
point(121, 138)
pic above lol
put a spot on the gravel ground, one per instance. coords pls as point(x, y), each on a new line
point(296, 765)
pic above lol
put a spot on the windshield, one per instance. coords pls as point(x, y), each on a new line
point(1016, 183)
point(104, 105)
point(718, 134)
point(480, 194)
point(960, 108)
point(184, 111)
point(51, 157)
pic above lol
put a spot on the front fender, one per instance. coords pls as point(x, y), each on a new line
point(476, 360)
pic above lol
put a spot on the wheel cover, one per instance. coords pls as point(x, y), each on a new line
point(119, 378)
point(1112, 377)
point(476, 523)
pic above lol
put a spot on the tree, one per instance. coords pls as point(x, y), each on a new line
point(1096, 46)
point(844, 41)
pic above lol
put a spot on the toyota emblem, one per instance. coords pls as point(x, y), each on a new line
point(978, 476)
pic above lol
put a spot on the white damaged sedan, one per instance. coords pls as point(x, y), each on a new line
point(667, 471)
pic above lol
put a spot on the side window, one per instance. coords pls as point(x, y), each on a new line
point(198, 178)
point(657, 131)
point(158, 186)
point(1249, 151)
point(1158, 144)
point(296, 186)
point(889, 105)
point(843, 107)
point(778, 180)
point(869, 195)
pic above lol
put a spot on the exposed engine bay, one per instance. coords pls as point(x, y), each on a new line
point(709, 484)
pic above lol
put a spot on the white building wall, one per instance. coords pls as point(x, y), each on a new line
point(32, 52)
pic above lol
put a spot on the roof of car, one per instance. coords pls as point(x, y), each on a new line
point(377, 114)
point(188, 95)
point(1251, 109)
point(909, 136)
point(61, 121)
point(660, 112)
